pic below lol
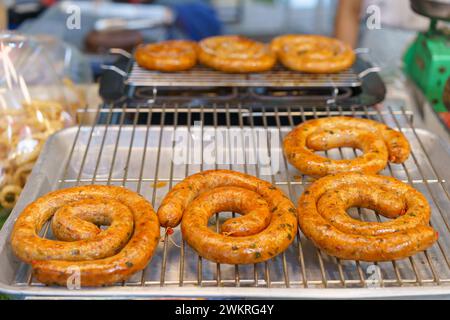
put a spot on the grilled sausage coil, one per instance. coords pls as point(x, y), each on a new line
point(267, 227)
point(323, 217)
point(313, 53)
point(168, 56)
point(236, 54)
point(378, 142)
point(101, 256)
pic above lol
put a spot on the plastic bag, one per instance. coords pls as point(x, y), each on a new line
point(72, 67)
point(32, 107)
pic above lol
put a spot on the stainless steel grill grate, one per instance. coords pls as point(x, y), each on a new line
point(203, 77)
point(136, 156)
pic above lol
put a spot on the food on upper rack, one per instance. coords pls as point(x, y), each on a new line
point(267, 228)
point(101, 257)
point(22, 134)
point(236, 54)
point(323, 217)
point(313, 53)
point(378, 142)
point(102, 41)
point(168, 56)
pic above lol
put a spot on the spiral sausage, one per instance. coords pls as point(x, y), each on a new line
point(267, 227)
point(378, 142)
point(168, 56)
point(312, 53)
point(102, 256)
point(323, 218)
point(236, 54)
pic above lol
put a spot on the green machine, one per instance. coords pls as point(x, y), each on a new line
point(427, 61)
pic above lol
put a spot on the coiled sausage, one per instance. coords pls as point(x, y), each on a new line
point(313, 53)
point(168, 56)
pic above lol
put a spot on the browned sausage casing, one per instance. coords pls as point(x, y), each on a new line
point(323, 217)
point(101, 256)
point(378, 142)
point(267, 227)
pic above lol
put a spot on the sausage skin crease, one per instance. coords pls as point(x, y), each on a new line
point(323, 218)
point(102, 256)
point(378, 142)
point(267, 227)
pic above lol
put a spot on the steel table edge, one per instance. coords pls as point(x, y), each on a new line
point(130, 292)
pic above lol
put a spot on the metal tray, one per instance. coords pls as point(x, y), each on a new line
point(125, 79)
point(138, 157)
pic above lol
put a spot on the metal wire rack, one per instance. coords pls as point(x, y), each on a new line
point(124, 152)
point(201, 76)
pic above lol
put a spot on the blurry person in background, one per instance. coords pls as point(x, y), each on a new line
point(385, 27)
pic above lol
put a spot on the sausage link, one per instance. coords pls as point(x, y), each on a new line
point(378, 142)
point(235, 54)
point(323, 217)
point(167, 56)
point(102, 256)
point(267, 227)
point(313, 53)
